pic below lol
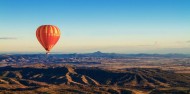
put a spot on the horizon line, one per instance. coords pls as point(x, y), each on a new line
point(17, 53)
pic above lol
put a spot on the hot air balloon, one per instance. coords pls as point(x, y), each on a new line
point(48, 35)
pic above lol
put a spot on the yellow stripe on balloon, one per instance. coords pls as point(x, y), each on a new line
point(58, 31)
point(55, 30)
point(51, 30)
point(46, 29)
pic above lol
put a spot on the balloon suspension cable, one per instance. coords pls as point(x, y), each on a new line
point(47, 54)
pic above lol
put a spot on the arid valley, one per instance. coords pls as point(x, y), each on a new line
point(102, 73)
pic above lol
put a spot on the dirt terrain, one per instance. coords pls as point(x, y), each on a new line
point(101, 73)
point(88, 80)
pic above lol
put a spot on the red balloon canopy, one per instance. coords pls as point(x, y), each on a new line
point(48, 35)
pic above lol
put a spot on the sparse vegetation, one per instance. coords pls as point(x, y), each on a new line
point(23, 75)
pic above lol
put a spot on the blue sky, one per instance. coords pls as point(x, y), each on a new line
point(123, 26)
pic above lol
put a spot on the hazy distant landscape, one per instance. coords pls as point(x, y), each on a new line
point(95, 73)
point(179, 63)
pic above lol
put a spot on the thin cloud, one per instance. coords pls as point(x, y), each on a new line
point(7, 38)
point(188, 41)
point(154, 44)
point(183, 42)
point(145, 45)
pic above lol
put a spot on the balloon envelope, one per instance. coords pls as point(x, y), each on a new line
point(48, 35)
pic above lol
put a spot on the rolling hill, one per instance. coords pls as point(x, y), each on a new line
point(83, 80)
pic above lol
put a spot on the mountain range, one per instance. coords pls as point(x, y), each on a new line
point(69, 79)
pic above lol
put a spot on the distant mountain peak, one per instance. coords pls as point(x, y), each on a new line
point(98, 52)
